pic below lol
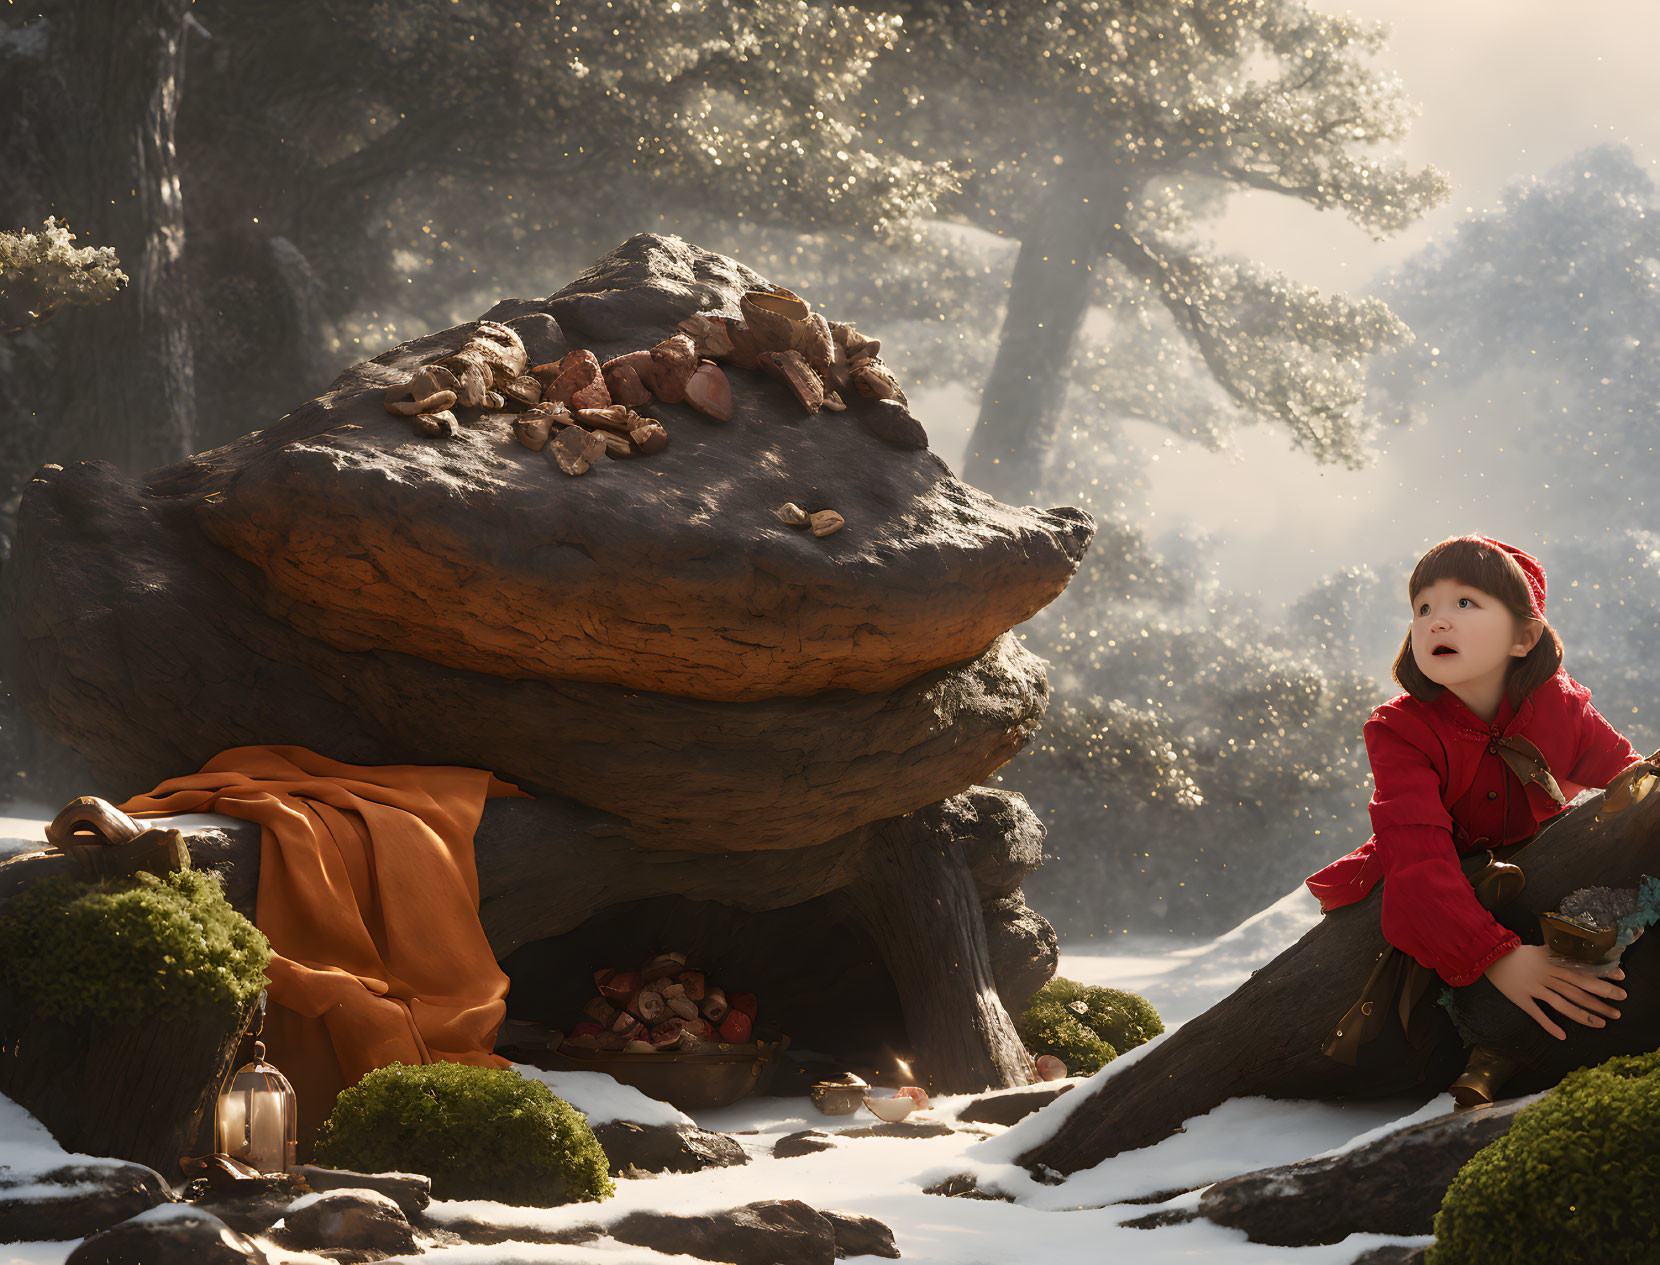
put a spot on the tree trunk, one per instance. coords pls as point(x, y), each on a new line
point(1024, 397)
point(915, 895)
point(133, 400)
point(1266, 1037)
point(138, 1091)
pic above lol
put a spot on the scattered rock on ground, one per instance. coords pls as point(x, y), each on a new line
point(666, 1148)
point(1158, 1220)
point(859, 1235)
point(963, 1186)
point(472, 1230)
point(1392, 1254)
point(1010, 1105)
point(356, 1219)
point(169, 1234)
point(1391, 1186)
point(901, 1129)
point(807, 1142)
point(251, 1210)
point(78, 1200)
point(761, 1233)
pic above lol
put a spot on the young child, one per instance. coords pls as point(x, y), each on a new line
point(1483, 680)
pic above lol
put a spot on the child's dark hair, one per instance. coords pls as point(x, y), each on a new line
point(1471, 560)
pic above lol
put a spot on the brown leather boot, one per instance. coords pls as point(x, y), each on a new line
point(1484, 1076)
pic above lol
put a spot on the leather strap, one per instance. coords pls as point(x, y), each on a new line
point(1527, 762)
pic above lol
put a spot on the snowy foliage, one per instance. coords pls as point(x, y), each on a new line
point(42, 270)
point(1538, 345)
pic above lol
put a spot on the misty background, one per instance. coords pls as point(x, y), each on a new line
point(1361, 293)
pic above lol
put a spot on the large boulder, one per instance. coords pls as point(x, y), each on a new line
point(710, 707)
point(1393, 1185)
point(670, 573)
point(648, 638)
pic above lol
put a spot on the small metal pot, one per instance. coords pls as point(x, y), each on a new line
point(1569, 939)
point(838, 1098)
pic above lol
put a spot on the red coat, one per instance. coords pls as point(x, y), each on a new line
point(1442, 789)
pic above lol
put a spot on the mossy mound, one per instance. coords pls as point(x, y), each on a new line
point(477, 1132)
point(1086, 1026)
point(1571, 1183)
point(143, 948)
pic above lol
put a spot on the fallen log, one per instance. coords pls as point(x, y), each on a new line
point(1265, 1038)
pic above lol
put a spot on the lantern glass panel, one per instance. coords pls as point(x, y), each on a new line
point(256, 1118)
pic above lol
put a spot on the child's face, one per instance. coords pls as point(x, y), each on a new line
point(1476, 635)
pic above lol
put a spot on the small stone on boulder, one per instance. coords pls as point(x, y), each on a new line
point(410, 1191)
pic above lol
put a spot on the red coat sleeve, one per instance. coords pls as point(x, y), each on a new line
point(1429, 908)
point(1601, 750)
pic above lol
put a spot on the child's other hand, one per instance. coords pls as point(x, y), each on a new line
point(1527, 976)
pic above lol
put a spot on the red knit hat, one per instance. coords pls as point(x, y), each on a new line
point(1531, 570)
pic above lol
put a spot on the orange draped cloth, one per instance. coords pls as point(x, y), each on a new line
point(369, 896)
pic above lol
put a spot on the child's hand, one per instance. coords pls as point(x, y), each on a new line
point(1527, 976)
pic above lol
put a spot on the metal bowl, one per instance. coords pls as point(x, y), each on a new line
point(1576, 942)
point(837, 1098)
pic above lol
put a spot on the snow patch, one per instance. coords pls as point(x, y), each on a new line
point(602, 1099)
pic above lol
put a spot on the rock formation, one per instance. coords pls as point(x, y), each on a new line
point(713, 706)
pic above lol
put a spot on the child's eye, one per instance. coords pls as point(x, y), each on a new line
point(1424, 609)
point(1464, 601)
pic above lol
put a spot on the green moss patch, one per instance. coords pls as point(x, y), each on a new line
point(143, 948)
point(1574, 1177)
point(477, 1132)
point(1086, 1026)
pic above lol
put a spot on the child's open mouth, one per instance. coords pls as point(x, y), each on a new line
point(1439, 650)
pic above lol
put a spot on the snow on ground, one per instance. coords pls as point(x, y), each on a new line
point(1182, 978)
point(26, 830)
point(1074, 1223)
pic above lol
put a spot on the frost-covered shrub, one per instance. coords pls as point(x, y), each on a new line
point(43, 270)
point(140, 948)
point(477, 1132)
point(1571, 1183)
point(1086, 1026)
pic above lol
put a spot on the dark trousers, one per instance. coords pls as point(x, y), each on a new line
point(1484, 1016)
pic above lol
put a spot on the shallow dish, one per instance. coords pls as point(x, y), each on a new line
point(893, 1110)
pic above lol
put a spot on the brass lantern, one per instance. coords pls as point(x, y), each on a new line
point(255, 1121)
